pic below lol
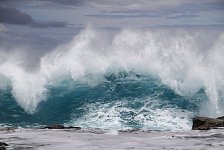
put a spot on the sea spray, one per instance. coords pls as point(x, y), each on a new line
point(185, 61)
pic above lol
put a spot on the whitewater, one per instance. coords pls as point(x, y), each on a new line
point(148, 79)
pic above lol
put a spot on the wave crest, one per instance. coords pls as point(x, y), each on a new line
point(183, 60)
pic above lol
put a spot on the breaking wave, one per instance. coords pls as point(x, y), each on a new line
point(145, 79)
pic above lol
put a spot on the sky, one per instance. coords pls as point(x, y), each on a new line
point(42, 25)
point(116, 13)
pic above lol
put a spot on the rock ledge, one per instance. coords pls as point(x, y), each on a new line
point(58, 126)
point(205, 123)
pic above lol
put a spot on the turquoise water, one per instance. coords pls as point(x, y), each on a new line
point(122, 101)
point(132, 79)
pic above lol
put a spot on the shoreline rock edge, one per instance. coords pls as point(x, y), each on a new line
point(206, 123)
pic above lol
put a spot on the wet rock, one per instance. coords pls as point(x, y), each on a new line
point(7, 129)
point(3, 145)
point(205, 123)
point(2, 148)
point(75, 128)
point(131, 131)
point(58, 126)
point(222, 118)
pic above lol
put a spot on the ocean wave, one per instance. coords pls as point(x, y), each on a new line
point(189, 64)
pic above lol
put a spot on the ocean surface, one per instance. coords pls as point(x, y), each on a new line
point(150, 80)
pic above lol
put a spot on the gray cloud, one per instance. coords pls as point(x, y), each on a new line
point(143, 14)
point(202, 12)
point(15, 3)
point(182, 16)
point(68, 2)
point(209, 26)
point(131, 4)
point(120, 16)
point(3, 28)
point(54, 24)
point(140, 4)
point(14, 16)
point(207, 5)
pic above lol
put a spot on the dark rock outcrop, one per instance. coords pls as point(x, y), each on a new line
point(75, 128)
point(2, 148)
point(3, 145)
point(222, 118)
point(55, 126)
point(7, 129)
point(205, 123)
point(58, 126)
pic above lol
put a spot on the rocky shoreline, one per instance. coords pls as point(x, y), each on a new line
point(205, 123)
point(199, 123)
point(3, 145)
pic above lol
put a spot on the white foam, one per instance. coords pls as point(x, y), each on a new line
point(150, 116)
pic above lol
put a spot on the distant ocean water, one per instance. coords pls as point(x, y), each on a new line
point(137, 79)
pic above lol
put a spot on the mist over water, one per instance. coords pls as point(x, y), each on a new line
point(145, 79)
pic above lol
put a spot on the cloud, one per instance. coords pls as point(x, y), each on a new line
point(133, 4)
point(196, 26)
point(68, 2)
point(121, 16)
point(143, 14)
point(130, 4)
point(182, 16)
point(15, 16)
point(54, 24)
point(38, 3)
point(117, 11)
point(3, 28)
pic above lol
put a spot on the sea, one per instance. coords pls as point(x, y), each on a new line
point(123, 80)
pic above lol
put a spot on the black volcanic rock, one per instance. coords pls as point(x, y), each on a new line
point(55, 126)
point(76, 128)
point(58, 126)
point(205, 123)
point(222, 118)
point(3, 145)
point(2, 148)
